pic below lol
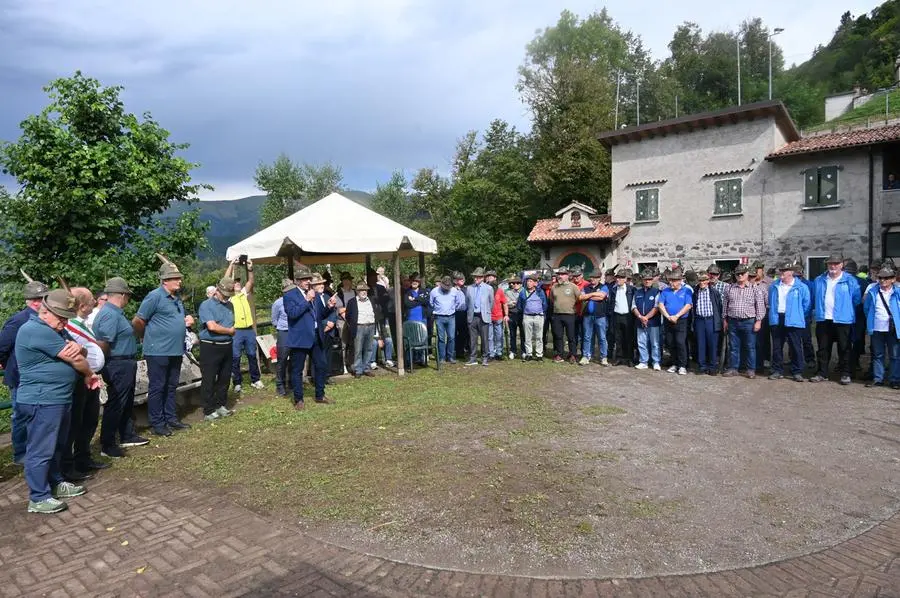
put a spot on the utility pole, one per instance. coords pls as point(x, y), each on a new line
point(739, 66)
point(618, 84)
point(773, 34)
point(639, 102)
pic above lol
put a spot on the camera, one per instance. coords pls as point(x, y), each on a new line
point(242, 260)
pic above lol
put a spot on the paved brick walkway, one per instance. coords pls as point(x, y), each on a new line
point(139, 539)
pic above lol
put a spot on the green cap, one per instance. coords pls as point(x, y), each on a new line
point(60, 303)
point(169, 272)
point(119, 285)
point(226, 286)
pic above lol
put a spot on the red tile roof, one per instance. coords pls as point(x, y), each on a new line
point(837, 141)
point(547, 231)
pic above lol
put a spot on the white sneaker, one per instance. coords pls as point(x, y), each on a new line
point(237, 388)
point(223, 411)
point(656, 367)
point(641, 366)
point(512, 355)
point(672, 370)
point(212, 416)
point(258, 385)
point(682, 372)
point(373, 366)
point(389, 363)
point(584, 360)
point(604, 361)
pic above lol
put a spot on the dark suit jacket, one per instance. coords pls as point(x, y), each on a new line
point(323, 315)
point(301, 320)
point(352, 315)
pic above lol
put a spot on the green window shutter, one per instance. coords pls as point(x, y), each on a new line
point(811, 187)
point(653, 204)
point(728, 196)
point(640, 208)
point(828, 189)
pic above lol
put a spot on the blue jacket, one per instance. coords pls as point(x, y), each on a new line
point(520, 302)
point(846, 297)
point(869, 307)
point(797, 304)
point(301, 320)
point(8, 346)
point(645, 300)
point(487, 302)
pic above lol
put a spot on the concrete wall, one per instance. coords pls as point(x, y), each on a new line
point(602, 255)
point(838, 105)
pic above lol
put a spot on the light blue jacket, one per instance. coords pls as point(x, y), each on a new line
point(869, 307)
point(487, 302)
point(847, 296)
point(797, 304)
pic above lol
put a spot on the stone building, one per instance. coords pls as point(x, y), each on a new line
point(741, 183)
point(577, 236)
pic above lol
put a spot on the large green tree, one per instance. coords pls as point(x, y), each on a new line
point(91, 180)
point(393, 200)
point(290, 186)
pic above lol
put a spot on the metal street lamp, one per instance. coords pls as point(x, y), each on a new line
point(771, 35)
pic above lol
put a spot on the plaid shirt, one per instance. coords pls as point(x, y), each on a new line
point(704, 303)
point(720, 286)
point(745, 302)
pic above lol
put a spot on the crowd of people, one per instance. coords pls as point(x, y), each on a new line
point(69, 346)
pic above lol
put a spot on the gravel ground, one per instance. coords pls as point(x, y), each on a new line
point(697, 474)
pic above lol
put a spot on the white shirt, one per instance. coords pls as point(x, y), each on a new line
point(77, 329)
point(783, 290)
point(621, 306)
point(89, 322)
point(365, 312)
point(882, 317)
point(830, 286)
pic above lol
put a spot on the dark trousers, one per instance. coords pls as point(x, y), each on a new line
point(677, 335)
point(794, 338)
point(163, 373)
point(120, 376)
point(244, 342)
point(298, 362)
point(215, 362)
point(763, 344)
point(857, 339)
point(48, 429)
point(742, 344)
point(85, 415)
point(623, 338)
point(707, 343)
point(579, 332)
point(827, 333)
point(282, 369)
point(321, 365)
point(478, 330)
point(563, 324)
point(516, 334)
point(461, 343)
point(808, 352)
point(19, 433)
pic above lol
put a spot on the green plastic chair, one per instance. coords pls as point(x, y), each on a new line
point(415, 341)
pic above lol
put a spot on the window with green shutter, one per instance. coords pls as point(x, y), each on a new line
point(820, 187)
point(646, 205)
point(728, 196)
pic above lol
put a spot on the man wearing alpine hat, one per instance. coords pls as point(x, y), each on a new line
point(301, 329)
point(50, 364)
point(836, 295)
point(216, 333)
point(161, 321)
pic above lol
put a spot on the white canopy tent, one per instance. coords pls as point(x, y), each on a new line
point(337, 230)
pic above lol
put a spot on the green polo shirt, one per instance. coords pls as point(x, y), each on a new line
point(165, 331)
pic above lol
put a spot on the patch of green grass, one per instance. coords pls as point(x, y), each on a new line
point(584, 528)
point(5, 421)
point(600, 410)
point(649, 509)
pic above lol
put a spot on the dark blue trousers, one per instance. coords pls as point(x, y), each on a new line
point(298, 362)
point(244, 341)
point(707, 343)
point(163, 373)
point(48, 430)
point(85, 414)
point(794, 338)
point(19, 432)
point(321, 365)
point(120, 376)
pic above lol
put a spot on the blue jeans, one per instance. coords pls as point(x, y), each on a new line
point(365, 345)
point(19, 431)
point(48, 430)
point(495, 339)
point(163, 373)
point(594, 325)
point(707, 344)
point(648, 341)
point(743, 343)
point(446, 333)
point(885, 343)
point(388, 349)
point(244, 341)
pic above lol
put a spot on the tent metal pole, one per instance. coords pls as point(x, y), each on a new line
point(398, 317)
point(422, 266)
point(290, 267)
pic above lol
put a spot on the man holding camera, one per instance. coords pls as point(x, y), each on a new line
point(244, 340)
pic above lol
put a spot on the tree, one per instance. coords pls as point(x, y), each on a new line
point(290, 187)
point(92, 179)
point(393, 201)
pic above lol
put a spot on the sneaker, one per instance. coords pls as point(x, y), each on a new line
point(729, 373)
point(539, 358)
point(212, 417)
point(178, 425)
point(67, 490)
point(237, 388)
point(775, 376)
point(158, 431)
point(472, 362)
point(682, 371)
point(112, 452)
point(766, 363)
point(672, 370)
point(558, 359)
point(641, 366)
point(389, 363)
point(656, 367)
point(817, 378)
point(584, 360)
point(224, 411)
point(134, 441)
point(571, 359)
point(799, 378)
point(48, 506)
point(373, 366)
point(604, 362)
point(258, 385)
point(484, 362)
point(512, 355)
point(845, 380)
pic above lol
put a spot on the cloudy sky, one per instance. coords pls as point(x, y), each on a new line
point(372, 85)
